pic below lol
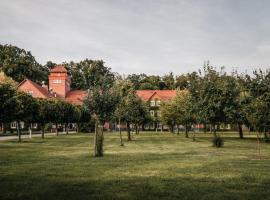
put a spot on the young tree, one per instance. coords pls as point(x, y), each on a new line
point(45, 108)
point(102, 104)
point(25, 109)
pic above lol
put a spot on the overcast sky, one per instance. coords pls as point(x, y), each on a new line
point(150, 36)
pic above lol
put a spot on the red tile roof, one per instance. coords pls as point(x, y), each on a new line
point(146, 95)
point(59, 68)
point(76, 97)
point(41, 89)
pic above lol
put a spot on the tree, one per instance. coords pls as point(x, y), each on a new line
point(135, 111)
point(89, 73)
point(168, 79)
point(178, 111)
point(45, 108)
point(183, 108)
point(181, 82)
point(20, 64)
point(235, 101)
point(101, 103)
point(208, 96)
point(258, 111)
point(168, 114)
point(25, 109)
point(8, 102)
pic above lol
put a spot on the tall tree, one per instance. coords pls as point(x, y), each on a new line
point(89, 74)
point(20, 64)
point(168, 79)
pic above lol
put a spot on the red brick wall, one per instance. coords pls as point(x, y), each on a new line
point(62, 88)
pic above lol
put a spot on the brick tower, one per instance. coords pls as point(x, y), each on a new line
point(59, 81)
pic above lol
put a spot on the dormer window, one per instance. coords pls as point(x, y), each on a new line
point(158, 102)
point(57, 81)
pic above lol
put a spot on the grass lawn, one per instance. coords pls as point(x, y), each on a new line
point(152, 166)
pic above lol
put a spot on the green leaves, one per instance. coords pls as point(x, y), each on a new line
point(20, 64)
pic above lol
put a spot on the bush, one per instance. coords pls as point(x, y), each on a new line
point(218, 142)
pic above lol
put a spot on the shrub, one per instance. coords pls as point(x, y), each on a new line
point(218, 142)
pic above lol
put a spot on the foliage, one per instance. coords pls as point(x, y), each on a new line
point(20, 64)
point(90, 74)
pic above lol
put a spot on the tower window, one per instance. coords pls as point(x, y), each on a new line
point(57, 81)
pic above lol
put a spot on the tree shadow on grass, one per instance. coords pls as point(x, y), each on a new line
point(147, 188)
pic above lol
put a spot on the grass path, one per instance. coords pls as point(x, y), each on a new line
point(153, 166)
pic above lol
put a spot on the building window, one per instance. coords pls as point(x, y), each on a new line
point(57, 81)
point(13, 125)
point(152, 103)
point(158, 113)
point(30, 92)
point(158, 102)
point(152, 126)
point(34, 125)
point(152, 113)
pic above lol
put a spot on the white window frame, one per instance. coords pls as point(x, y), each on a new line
point(158, 102)
point(34, 125)
point(152, 113)
point(152, 103)
point(13, 125)
point(158, 113)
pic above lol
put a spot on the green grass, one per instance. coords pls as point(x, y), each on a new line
point(153, 166)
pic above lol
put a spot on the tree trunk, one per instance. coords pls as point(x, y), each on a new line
point(56, 126)
point(95, 140)
point(177, 129)
point(128, 131)
point(98, 141)
point(77, 128)
point(19, 131)
point(42, 130)
point(136, 129)
point(120, 133)
point(66, 128)
point(215, 131)
point(240, 131)
point(186, 130)
point(30, 131)
point(204, 128)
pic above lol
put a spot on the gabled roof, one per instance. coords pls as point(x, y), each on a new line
point(59, 69)
point(146, 95)
point(76, 97)
point(41, 89)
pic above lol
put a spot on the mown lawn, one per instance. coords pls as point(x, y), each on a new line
point(152, 166)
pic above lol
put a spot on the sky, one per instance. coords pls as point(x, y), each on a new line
point(142, 36)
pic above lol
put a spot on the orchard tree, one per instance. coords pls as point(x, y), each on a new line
point(183, 111)
point(25, 110)
point(101, 102)
point(258, 113)
point(8, 101)
point(45, 108)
